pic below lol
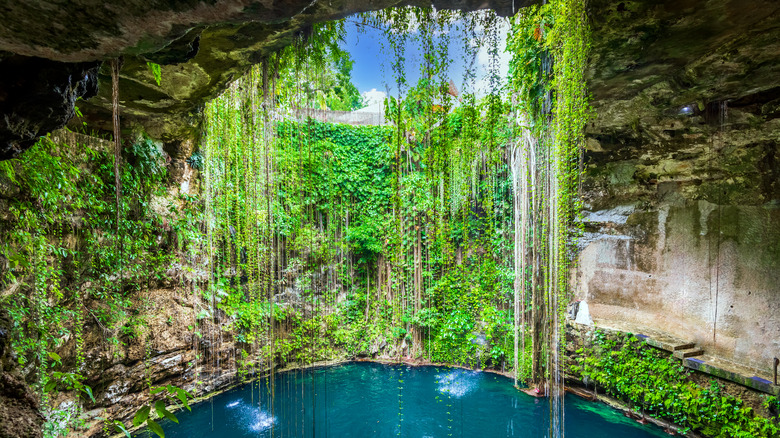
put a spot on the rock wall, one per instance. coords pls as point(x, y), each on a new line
point(123, 333)
point(681, 178)
point(38, 97)
point(162, 335)
point(19, 416)
point(201, 46)
point(703, 272)
point(167, 351)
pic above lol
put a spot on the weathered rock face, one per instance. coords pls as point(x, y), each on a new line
point(79, 31)
point(702, 51)
point(699, 51)
point(682, 174)
point(38, 96)
point(166, 336)
point(19, 416)
point(165, 352)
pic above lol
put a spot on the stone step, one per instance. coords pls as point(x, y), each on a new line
point(735, 373)
point(667, 343)
point(684, 346)
point(688, 352)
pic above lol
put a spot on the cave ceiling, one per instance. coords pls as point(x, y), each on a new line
point(672, 53)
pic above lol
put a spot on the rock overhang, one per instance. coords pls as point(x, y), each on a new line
point(649, 58)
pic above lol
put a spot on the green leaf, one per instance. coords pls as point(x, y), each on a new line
point(159, 406)
point(119, 427)
point(88, 390)
point(141, 415)
point(157, 390)
point(55, 357)
point(182, 395)
point(154, 427)
point(156, 71)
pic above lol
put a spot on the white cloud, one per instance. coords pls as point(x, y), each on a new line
point(374, 98)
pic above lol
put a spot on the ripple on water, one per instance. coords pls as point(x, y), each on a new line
point(456, 383)
point(252, 418)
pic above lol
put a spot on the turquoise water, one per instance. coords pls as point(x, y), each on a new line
point(375, 400)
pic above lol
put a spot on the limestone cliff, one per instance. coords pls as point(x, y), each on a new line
point(681, 178)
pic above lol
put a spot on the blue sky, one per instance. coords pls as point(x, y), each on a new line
point(372, 73)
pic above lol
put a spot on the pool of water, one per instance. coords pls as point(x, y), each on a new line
point(375, 400)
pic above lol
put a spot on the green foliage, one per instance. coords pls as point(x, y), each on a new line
point(315, 72)
point(325, 240)
point(167, 395)
point(147, 162)
point(60, 198)
point(454, 339)
point(772, 404)
point(382, 236)
point(343, 96)
point(69, 259)
point(156, 72)
point(71, 382)
point(363, 227)
point(196, 160)
point(529, 70)
point(549, 45)
point(324, 166)
point(320, 240)
point(659, 385)
point(465, 302)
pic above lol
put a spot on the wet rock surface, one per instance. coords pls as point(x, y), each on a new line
point(650, 59)
point(165, 352)
point(119, 362)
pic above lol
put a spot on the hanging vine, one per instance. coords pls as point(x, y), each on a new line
point(327, 241)
point(549, 44)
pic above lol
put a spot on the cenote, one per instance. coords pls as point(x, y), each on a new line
point(361, 399)
point(580, 198)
